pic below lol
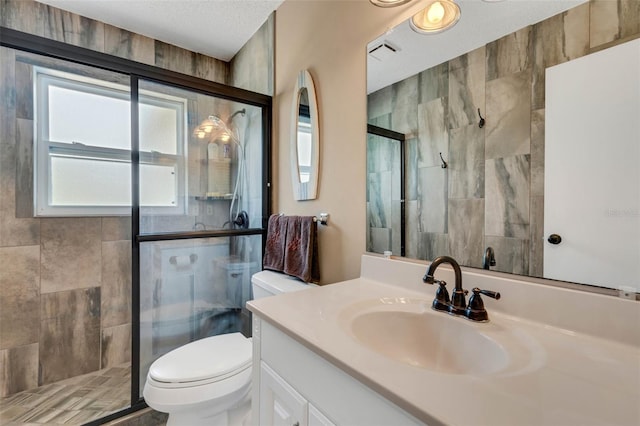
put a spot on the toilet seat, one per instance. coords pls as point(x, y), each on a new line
point(208, 397)
point(204, 361)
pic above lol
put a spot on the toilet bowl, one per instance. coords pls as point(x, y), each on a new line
point(208, 381)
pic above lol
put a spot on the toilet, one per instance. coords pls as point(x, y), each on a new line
point(208, 381)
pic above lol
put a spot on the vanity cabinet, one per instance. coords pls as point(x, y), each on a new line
point(282, 405)
point(370, 352)
point(294, 386)
point(316, 418)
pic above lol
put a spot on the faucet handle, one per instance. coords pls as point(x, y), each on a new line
point(442, 301)
point(475, 310)
point(491, 294)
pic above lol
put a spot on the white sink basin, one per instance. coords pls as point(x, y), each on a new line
point(409, 331)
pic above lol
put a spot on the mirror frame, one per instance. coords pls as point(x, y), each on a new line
point(305, 190)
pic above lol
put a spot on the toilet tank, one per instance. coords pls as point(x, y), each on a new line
point(270, 283)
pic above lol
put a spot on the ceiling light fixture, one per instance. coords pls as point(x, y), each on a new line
point(439, 15)
point(207, 127)
point(389, 3)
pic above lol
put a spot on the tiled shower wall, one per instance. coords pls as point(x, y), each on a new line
point(383, 193)
point(65, 283)
point(492, 193)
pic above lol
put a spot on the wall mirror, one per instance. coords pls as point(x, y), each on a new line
point(474, 104)
point(305, 139)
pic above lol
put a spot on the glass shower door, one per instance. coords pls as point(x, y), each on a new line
point(385, 191)
point(200, 216)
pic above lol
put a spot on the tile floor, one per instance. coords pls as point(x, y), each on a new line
point(73, 401)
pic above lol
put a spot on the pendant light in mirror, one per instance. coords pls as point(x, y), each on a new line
point(439, 15)
point(388, 3)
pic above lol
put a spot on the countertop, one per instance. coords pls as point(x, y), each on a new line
point(567, 378)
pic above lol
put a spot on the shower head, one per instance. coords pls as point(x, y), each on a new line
point(242, 112)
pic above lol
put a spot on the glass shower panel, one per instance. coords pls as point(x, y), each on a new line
point(208, 157)
point(201, 162)
point(191, 289)
point(384, 195)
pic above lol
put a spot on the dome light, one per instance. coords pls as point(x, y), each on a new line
point(438, 16)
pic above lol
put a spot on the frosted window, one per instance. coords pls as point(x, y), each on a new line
point(158, 185)
point(84, 147)
point(89, 182)
point(89, 118)
point(158, 128)
point(82, 182)
point(104, 120)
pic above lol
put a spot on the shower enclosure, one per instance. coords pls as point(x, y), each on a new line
point(134, 209)
point(385, 191)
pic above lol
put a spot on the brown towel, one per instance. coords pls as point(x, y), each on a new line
point(276, 237)
point(301, 249)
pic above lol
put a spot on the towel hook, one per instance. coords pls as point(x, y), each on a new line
point(444, 163)
point(481, 123)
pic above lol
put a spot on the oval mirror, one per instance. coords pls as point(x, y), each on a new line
point(305, 139)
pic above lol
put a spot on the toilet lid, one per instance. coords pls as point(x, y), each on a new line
point(206, 359)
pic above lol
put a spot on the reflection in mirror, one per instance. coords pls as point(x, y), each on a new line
point(305, 139)
point(494, 191)
point(385, 191)
point(604, 245)
point(304, 136)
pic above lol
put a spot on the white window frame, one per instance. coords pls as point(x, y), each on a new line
point(45, 148)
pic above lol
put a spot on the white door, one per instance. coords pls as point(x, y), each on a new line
point(592, 168)
point(280, 404)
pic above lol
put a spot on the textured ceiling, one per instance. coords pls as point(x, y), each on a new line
point(217, 28)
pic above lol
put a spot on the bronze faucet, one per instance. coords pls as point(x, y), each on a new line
point(489, 258)
point(475, 311)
